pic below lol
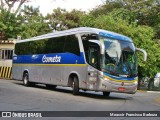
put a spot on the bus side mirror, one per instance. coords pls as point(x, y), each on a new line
point(144, 53)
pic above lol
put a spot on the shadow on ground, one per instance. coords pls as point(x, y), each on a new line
point(89, 94)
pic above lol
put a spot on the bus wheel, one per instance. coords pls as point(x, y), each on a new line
point(75, 86)
point(106, 94)
point(26, 79)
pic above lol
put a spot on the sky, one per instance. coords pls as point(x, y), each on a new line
point(47, 6)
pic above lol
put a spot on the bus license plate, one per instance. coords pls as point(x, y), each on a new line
point(121, 89)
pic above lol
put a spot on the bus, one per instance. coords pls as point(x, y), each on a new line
point(82, 58)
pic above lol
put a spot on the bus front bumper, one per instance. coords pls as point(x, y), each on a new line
point(114, 86)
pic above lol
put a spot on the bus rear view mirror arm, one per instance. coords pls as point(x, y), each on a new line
point(144, 52)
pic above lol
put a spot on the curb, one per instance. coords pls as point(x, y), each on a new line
point(153, 91)
point(148, 91)
point(141, 91)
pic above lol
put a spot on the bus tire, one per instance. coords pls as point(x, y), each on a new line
point(26, 79)
point(106, 94)
point(75, 86)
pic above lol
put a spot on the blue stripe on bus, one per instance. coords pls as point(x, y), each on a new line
point(56, 58)
point(120, 78)
point(115, 36)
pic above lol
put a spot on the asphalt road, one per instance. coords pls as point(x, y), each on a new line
point(14, 96)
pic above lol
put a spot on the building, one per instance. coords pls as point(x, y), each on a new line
point(6, 52)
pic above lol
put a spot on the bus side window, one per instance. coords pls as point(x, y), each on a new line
point(86, 47)
point(92, 53)
point(55, 45)
point(93, 56)
point(72, 45)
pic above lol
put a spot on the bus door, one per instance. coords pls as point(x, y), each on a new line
point(93, 60)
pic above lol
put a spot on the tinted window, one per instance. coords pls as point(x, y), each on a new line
point(32, 47)
point(52, 45)
point(72, 45)
point(86, 48)
point(92, 53)
point(55, 45)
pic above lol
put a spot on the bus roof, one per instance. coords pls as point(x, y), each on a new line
point(102, 32)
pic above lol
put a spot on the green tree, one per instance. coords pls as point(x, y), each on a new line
point(107, 7)
point(9, 24)
point(61, 19)
point(145, 12)
point(32, 22)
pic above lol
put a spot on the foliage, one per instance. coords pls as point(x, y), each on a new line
point(9, 24)
point(61, 19)
point(106, 8)
point(32, 23)
point(146, 12)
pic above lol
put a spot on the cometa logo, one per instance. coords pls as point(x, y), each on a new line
point(46, 59)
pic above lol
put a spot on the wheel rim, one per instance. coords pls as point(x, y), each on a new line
point(73, 85)
point(25, 80)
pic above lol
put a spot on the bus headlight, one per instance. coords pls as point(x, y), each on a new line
point(100, 74)
point(136, 82)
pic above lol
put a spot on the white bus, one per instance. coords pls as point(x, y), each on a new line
point(81, 58)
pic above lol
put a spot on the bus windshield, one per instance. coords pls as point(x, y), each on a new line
point(120, 58)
